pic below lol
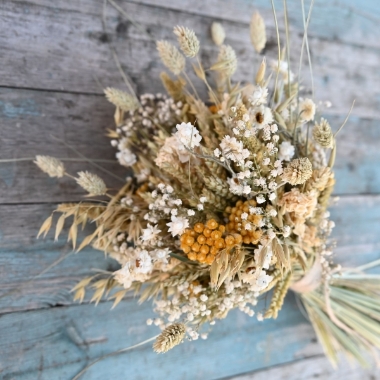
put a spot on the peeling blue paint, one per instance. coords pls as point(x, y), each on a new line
point(25, 107)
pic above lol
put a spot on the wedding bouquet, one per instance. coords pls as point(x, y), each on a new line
point(226, 201)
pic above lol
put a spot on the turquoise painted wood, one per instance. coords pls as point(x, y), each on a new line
point(59, 342)
point(55, 61)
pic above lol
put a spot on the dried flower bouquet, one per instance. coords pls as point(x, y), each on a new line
point(227, 201)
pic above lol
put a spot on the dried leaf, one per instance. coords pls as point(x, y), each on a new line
point(59, 226)
point(118, 296)
point(45, 226)
point(98, 295)
point(199, 72)
point(73, 233)
point(79, 295)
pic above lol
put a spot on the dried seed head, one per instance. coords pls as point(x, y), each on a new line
point(323, 135)
point(121, 99)
point(261, 72)
point(257, 32)
point(171, 57)
point(169, 338)
point(217, 33)
point(92, 183)
point(173, 87)
point(50, 165)
point(227, 61)
point(319, 179)
point(298, 171)
point(187, 40)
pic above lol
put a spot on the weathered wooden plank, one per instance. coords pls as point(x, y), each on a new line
point(312, 368)
point(81, 122)
point(76, 54)
point(346, 21)
point(30, 122)
point(69, 337)
point(22, 257)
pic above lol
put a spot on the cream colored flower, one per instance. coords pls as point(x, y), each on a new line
point(303, 204)
point(298, 171)
point(307, 109)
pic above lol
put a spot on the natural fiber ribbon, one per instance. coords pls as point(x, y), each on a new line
point(311, 280)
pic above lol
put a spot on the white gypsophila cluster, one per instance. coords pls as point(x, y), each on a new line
point(139, 263)
point(155, 110)
point(259, 96)
point(164, 204)
point(192, 303)
point(188, 135)
point(177, 145)
point(286, 151)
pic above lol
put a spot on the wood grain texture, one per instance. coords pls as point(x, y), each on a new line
point(31, 120)
point(22, 257)
point(55, 61)
point(315, 367)
point(69, 337)
point(68, 40)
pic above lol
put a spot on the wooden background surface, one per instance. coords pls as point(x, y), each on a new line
point(55, 60)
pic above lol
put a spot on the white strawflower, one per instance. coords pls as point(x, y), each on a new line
point(233, 149)
point(262, 116)
point(188, 135)
point(259, 96)
point(143, 262)
point(178, 225)
point(126, 157)
point(150, 233)
point(307, 109)
point(168, 152)
point(286, 151)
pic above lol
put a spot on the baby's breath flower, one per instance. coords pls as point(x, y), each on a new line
point(171, 57)
point(126, 157)
point(92, 183)
point(298, 171)
point(217, 33)
point(323, 135)
point(169, 338)
point(50, 165)
point(286, 151)
point(187, 40)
